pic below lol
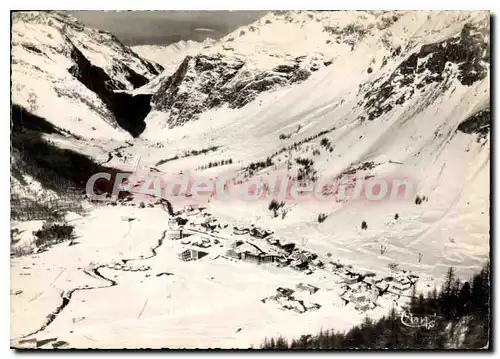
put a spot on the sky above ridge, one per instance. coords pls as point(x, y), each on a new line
point(166, 27)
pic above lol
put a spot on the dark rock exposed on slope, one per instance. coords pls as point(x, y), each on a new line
point(464, 57)
point(95, 59)
point(479, 123)
point(129, 110)
point(208, 81)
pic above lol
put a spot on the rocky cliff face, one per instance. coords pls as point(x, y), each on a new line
point(277, 51)
point(77, 78)
point(464, 57)
point(207, 81)
point(283, 49)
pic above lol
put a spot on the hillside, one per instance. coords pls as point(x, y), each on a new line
point(312, 96)
point(77, 77)
point(173, 54)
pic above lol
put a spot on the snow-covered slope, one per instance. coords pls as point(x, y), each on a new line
point(276, 51)
point(171, 57)
point(388, 95)
point(399, 99)
point(70, 74)
point(172, 54)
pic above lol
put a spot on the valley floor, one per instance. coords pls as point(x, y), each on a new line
point(133, 291)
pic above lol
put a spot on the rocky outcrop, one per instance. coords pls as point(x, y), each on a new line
point(79, 79)
point(102, 48)
point(464, 57)
point(207, 81)
point(129, 111)
point(479, 124)
point(278, 50)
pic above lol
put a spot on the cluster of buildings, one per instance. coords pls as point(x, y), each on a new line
point(363, 289)
point(400, 281)
point(287, 301)
point(307, 288)
point(362, 295)
point(253, 231)
point(250, 252)
point(191, 254)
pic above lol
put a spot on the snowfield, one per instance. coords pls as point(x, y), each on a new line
point(209, 303)
point(385, 101)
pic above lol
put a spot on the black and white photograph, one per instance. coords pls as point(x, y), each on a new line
point(250, 179)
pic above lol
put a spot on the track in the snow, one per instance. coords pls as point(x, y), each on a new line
point(66, 296)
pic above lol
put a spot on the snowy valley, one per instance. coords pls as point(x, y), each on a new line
point(316, 95)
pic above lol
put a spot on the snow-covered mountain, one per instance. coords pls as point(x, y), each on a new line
point(173, 54)
point(171, 57)
point(77, 77)
point(286, 48)
point(371, 94)
point(402, 96)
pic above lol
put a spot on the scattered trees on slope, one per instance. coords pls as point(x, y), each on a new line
point(460, 311)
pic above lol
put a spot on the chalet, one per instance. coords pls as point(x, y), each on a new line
point(249, 252)
point(401, 285)
point(382, 287)
point(191, 254)
point(185, 255)
point(231, 253)
point(240, 230)
point(370, 275)
point(260, 233)
point(236, 243)
point(285, 291)
point(310, 256)
point(297, 264)
point(362, 301)
point(329, 267)
point(336, 266)
point(202, 244)
point(317, 263)
point(344, 301)
point(242, 250)
point(307, 288)
point(359, 297)
point(288, 247)
point(374, 294)
point(299, 255)
point(313, 306)
point(250, 256)
point(268, 258)
point(209, 226)
point(174, 233)
point(273, 241)
point(405, 282)
point(364, 306)
point(282, 261)
point(349, 277)
point(181, 221)
point(372, 279)
point(413, 278)
point(397, 272)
